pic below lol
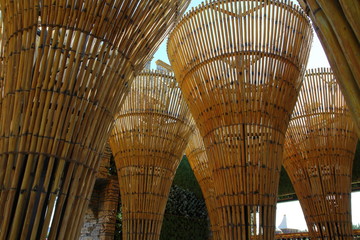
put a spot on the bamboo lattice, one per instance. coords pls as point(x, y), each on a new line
point(337, 26)
point(240, 65)
point(197, 157)
point(150, 135)
point(67, 68)
point(318, 155)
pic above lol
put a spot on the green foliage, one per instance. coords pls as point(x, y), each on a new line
point(118, 224)
point(356, 166)
point(185, 216)
point(184, 203)
point(185, 178)
point(285, 185)
point(184, 228)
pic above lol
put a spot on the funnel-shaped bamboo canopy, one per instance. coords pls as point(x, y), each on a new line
point(67, 68)
point(318, 155)
point(151, 132)
point(198, 160)
point(337, 26)
point(240, 66)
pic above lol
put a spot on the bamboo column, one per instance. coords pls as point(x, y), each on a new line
point(150, 135)
point(337, 25)
point(318, 155)
point(197, 157)
point(240, 66)
point(67, 68)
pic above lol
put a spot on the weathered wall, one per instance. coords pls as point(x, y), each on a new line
point(100, 217)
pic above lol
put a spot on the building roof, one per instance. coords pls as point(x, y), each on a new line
point(283, 223)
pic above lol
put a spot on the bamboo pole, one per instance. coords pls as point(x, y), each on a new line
point(318, 155)
point(351, 9)
point(196, 154)
point(334, 38)
point(150, 135)
point(240, 66)
point(67, 66)
point(347, 39)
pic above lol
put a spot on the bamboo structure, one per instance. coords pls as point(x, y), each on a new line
point(337, 25)
point(196, 154)
point(318, 155)
point(150, 135)
point(305, 235)
point(68, 65)
point(240, 65)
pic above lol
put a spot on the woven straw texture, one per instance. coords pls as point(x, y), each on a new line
point(240, 66)
point(151, 132)
point(67, 68)
point(318, 155)
point(196, 154)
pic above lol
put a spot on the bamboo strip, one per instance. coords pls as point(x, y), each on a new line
point(150, 135)
point(67, 66)
point(240, 74)
point(318, 155)
point(197, 157)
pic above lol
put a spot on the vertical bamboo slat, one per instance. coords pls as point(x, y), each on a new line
point(240, 66)
point(67, 68)
point(150, 135)
point(196, 154)
point(318, 155)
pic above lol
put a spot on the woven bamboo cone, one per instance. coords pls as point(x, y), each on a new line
point(318, 155)
point(337, 26)
point(67, 66)
point(196, 154)
point(240, 65)
point(151, 132)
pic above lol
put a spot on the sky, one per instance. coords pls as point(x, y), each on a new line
point(292, 209)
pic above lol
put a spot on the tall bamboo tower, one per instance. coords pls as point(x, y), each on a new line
point(148, 141)
point(198, 160)
point(67, 68)
point(318, 155)
point(240, 66)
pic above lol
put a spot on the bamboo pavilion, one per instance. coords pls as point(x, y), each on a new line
point(240, 66)
point(318, 155)
point(67, 67)
point(337, 25)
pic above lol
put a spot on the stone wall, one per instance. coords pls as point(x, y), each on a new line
point(100, 217)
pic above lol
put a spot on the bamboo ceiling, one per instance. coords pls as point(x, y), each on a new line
point(240, 65)
point(337, 26)
point(149, 138)
point(198, 160)
point(318, 155)
point(67, 68)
